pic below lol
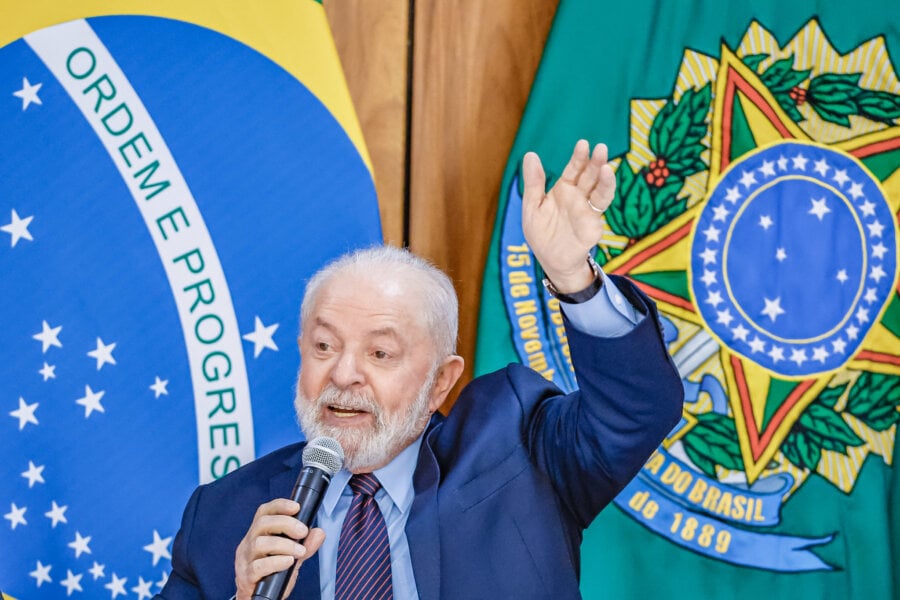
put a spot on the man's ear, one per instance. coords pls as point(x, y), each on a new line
point(448, 373)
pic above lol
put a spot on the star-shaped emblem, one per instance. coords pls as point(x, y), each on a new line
point(103, 354)
point(91, 401)
point(765, 221)
point(142, 589)
point(117, 585)
point(34, 474)
point(80, 544)
point(48, 371)
point(261, 336)
point(49, 336)
point(159, 387)
point(819, 208)
point(97, 571)
point(16, 515)
point(72, 582)
point(25, 413)
point(773, 308)
point(41, 574)
point(18, 229)
point(57, 514)
point(159, 548)
point(842, 276)
point(29, 93)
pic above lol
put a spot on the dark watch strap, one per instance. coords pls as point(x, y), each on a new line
point(582, 295)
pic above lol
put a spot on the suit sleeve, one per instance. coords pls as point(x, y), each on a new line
point(592, 442)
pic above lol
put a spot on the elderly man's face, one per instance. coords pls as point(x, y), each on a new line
point(368, 375)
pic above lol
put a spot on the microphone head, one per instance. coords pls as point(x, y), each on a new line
point(325, 453)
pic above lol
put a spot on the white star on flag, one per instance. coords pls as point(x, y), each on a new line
point(159, 387)
point(877, 273)
point(49, 336)
point(159, 548)
point(142, 589)
point(798, 356)
point(261, 337)
point(57, 514)
point(799, 162)
point(708, 256)
point(747, 178)
point(765, 221)
point(28, 93)
point(720, 213)
point(48, 371)
point(25, 413)
point(782, 163)
point(724, 317)
point(97, 571)
point(711, 233)
point(103, 354)
point(72, 582)
point(819, 208)
point(733, 194)
point(780, 254)
point(870, 296)
point(838, 346)
point(841, 177)
point(855, 190)
point(117, 585)
point(18, 229)
point(91, 401)
point(80, 544)
point(740, 332)
point(776, 354)
point(714, 298)
point(768, 168)
point(757, 345)
point(821, 167)
point(842, 276)
point(41, 574)
point(867, 208)
point(875, 229)
point(878, 250)
point(852, 332)
point(163, 580)
point(820, 354)
point(16, 515)
point(34, 474)
point(862, 315)
point(773, 308)
point(709, 277)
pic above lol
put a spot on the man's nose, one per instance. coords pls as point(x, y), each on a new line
point(346, 371)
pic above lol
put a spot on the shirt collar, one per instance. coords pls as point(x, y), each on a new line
point(396, 479)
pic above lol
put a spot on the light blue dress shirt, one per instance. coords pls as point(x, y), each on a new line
point(607, 314)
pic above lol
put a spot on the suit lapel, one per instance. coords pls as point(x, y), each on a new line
point(280, 486)
point(422, 527)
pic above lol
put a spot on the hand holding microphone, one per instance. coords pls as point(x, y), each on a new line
point(265, 557)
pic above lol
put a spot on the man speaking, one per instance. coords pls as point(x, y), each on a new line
point(489, 502)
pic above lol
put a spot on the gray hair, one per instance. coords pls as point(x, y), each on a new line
point(440, 305)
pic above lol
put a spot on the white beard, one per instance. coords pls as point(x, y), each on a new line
point(365, 447)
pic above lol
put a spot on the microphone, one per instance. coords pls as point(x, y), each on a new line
point(322, 458)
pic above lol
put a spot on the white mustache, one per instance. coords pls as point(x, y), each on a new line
point(331, 396)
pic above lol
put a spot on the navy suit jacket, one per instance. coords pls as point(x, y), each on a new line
point(504, 486)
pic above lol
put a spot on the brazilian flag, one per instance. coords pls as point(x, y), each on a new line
point(172, 173)
point(757, 156)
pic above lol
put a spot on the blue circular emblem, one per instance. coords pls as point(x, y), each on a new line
point(794, 257)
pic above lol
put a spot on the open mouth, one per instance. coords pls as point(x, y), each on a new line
point(344, 412)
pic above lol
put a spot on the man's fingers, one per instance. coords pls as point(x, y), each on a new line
point(605, 190)
point(278, 525)
point(314, 540)
point(577, 163)
point(533, 179)
point(590, 177)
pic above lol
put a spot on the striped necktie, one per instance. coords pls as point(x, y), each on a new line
point(364, 552)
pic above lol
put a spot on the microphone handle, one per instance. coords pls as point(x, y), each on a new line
point(308, 493)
